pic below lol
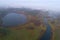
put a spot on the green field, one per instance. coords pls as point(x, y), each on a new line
point(21, 35)
point(57, 34)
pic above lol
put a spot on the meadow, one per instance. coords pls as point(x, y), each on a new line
point(23, 34)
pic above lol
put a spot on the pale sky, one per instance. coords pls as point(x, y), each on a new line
point(43, 4)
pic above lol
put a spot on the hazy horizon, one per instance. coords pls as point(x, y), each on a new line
point(35, 4)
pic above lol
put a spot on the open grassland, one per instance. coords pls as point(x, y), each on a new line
point(57, 34)
point(20, 35)
point(23, 34)
point(56, 31)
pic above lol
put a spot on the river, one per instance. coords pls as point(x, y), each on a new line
point(47, 34)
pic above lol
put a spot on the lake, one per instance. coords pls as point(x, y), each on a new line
point(13, 19)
